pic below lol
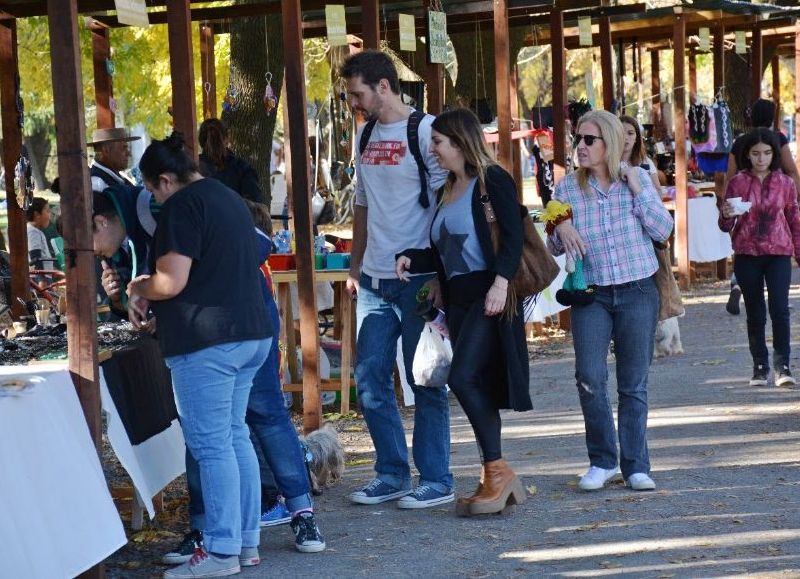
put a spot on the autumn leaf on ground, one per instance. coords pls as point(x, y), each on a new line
point(358, 462)
point(532, 490)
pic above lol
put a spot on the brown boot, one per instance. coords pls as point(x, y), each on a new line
point(462, 504)
point(500, 488)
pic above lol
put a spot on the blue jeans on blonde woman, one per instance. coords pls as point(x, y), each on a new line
point(626, 313)
point(212, 387)
point(386, 311)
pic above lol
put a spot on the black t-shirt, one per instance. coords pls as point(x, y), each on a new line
point(222, 301)
point(736, 149)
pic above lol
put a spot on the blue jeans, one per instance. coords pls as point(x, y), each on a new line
point(385, 312)
point(628, 314)
point(212, 387)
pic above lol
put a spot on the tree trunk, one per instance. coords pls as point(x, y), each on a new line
point(251, 126)
point(38, 145)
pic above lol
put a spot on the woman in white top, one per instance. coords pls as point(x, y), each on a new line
point(633, 153)
point(39, 254)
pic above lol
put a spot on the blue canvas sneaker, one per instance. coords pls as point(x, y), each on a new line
point(376, 492)
point(424, 496)
point(277, 515)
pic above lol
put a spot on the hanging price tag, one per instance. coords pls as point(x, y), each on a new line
point(585, 31)
point(705, 42)
point(336, 24)
point(741, 44)
point(408, 34)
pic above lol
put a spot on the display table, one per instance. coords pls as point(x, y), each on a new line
point(706, 241)
point(58, 518)
point(343, 308)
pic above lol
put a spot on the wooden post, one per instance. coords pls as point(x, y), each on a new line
point(12, 147)
point(719, 58)
point(756, 62)
point(621, 76)
point(181, 61)
point(607, 62)
point(103, 86)
point(208, 71)
point(681, 198)
point(776, 89)
point(559, 93)
point(502, 70)
point(516, 151)
point(692, 74)
point(298, 183)
point(655, 89)
point(370, 24)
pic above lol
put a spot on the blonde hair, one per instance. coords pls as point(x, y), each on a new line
point(611, 130)
point(464, 130)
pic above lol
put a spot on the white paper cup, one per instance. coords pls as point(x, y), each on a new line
point(43, 317)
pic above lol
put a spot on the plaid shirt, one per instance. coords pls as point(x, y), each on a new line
point(617, 227)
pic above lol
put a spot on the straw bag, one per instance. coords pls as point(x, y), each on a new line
point(668, 292)
point(537, 267)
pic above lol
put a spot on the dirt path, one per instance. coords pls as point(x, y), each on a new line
point(726, 458)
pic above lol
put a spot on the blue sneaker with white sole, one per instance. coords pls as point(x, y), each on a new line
point(277, 515)
point(425, 496)
point(376, 492)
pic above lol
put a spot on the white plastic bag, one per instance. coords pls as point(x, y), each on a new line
point(432, 359)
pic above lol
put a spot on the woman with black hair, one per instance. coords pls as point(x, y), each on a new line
point(218, 161)
point(39, 216)
point(765, 237)
point(215, 333)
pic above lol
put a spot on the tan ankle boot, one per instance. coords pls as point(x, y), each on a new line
point(462, 504)
point(500, 488)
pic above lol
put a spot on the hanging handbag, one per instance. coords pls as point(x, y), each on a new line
point(537, 267)
point(668, 291)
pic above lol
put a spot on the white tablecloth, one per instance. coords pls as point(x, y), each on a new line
point(706, 241)
point(546, 304)
point(57, 518)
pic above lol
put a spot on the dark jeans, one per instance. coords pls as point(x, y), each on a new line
point(751, 272)
point(476, 353)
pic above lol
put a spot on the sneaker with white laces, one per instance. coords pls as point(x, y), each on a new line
point(192, 541)
point(425, 496)
point(203, 564)
point(639, 481)
point(596, 478)
point(760, 375)
point(278, 514)
point(376, 492)
point(249, 557)
point(783, 376)
point(307, 536)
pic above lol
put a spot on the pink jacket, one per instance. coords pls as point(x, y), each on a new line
point(772, 225)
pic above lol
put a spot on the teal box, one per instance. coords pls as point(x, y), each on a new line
point(319, 261)
point(338, 261)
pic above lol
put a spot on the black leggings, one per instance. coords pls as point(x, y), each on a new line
point(477, 358)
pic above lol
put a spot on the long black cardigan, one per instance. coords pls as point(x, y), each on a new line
point(502, 192)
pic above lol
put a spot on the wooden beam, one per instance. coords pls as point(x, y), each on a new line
point(299, 187)
point(775, 64)
point(181, 61)
point(208, 71)
point(719, 58)
point(103, 86)
point(559, 93)
point(692, 74)
point(681, 197)
point(12, 148)
point(621, 75)
point(606, 62)
point(370, 24)
point(502, 69)
point(756, 63)
point(655, 89)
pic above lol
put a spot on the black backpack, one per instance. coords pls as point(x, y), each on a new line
point(413, 145)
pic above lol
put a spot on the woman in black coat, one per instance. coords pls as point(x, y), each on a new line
point(490, 357)
point(218, 162)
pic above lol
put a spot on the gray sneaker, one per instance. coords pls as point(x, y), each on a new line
point(249, 557)
point(203, 564)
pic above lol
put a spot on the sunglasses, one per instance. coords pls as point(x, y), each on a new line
point(588, 139)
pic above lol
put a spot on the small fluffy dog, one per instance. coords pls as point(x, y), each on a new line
point(324, 457)
point(668, 338)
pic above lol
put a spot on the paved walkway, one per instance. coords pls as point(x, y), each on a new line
point(726, 458)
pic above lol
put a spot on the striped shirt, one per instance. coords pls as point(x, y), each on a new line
point(617, 227)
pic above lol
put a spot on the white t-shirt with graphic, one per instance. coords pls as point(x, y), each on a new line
point(388, 184)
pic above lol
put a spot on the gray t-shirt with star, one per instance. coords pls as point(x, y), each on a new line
point(454, 234)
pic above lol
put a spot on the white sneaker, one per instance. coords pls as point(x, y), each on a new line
point(639, 481)
point(596, 478)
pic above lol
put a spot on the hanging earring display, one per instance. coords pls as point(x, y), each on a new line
point(231, 101)
point(270, 101)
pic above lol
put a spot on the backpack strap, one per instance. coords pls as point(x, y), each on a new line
point(413, 146)
point(365, 135)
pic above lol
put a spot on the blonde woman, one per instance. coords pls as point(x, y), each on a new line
point(616, 215)
point(490, 361)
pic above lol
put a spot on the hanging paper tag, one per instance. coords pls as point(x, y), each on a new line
point(437, 37)
point(408, 33)
point(741, 45)
point(704, 43)
point(336, 24)
point(132, 12)
point(585, 31)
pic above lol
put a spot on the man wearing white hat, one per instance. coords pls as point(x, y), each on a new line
point(112, 156)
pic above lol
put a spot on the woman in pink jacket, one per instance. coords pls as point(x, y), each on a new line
point(765, 237)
